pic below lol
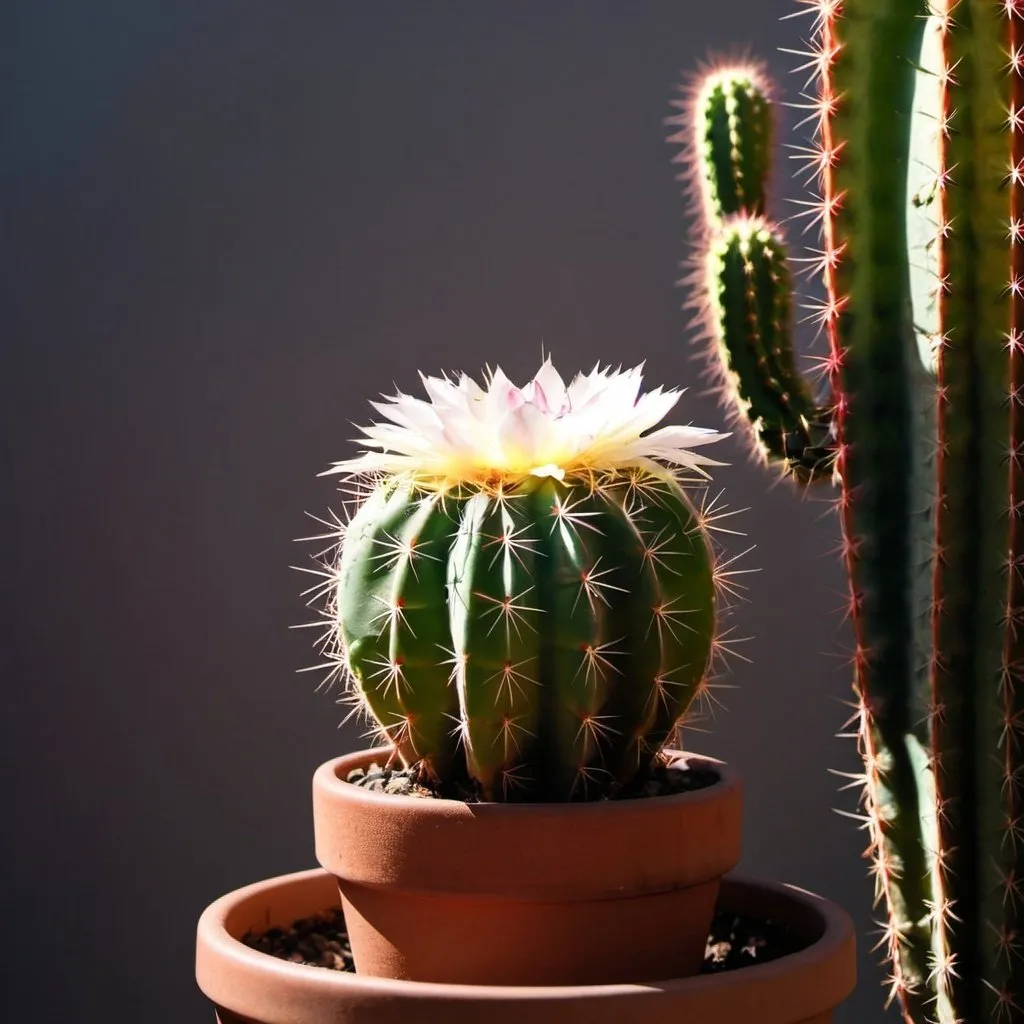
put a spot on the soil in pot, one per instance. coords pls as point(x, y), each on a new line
point(662, 780)
point(250, 987)
point(735, 941)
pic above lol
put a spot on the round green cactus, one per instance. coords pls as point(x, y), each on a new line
point(526, 598)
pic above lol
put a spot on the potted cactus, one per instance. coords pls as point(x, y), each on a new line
point(919, 166)
point(525, 603)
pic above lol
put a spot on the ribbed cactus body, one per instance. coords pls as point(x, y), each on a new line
point(550, 634)
point(918, 107)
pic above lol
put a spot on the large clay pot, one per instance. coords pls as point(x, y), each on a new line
point(526, 894)
point(248, 987)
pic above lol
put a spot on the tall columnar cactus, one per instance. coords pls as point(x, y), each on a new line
point(919, 161)
point(525, 597)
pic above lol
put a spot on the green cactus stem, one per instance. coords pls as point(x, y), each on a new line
point(919, 158)
point(732, 136)
point(746, 276)
point(550, 632)
point(879, 411)
point(976, 675)
point(750, 318)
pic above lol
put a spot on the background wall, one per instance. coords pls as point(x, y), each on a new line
point(225, 226)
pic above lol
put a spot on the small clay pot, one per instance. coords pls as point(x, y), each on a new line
point(248, 987)
point(526, 894)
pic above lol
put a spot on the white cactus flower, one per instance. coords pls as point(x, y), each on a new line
point(467, 433)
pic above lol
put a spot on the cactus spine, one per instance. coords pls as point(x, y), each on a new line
point(919, 160)
point(533, 628)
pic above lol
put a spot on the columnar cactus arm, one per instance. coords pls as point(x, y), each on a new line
point(750, 299)
point(747, 281)
point(864, 65)
point(976, 682)
point(733, 138)
point(867, 52)
point(924, 277)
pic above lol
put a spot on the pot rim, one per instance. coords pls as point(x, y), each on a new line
point(218, 951)
point(591, 851)
point(327, 778)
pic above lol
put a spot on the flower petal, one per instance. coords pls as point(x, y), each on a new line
point(549, 381)
point(602, 419)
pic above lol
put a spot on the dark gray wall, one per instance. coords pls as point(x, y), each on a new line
point(225, 225)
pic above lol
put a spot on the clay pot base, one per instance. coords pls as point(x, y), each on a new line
point(735, 942)
point(527, 893)
point(249, 987)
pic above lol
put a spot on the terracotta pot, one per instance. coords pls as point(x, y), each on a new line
point(525, 894)
point(254, 988)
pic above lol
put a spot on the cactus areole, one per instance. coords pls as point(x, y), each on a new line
point(524, 597)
